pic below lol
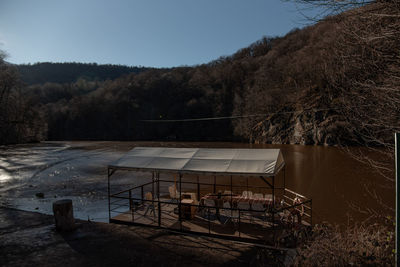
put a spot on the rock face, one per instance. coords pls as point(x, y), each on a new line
point(306, 123)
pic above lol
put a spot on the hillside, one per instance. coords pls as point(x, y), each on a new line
point(346, 75)
point(330, 83)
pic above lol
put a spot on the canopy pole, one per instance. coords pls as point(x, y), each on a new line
point(158, 197)
point(231, 197)
point(231, 190)
point(198, 188)
point(397, 166)
point(215, 184)
point(175, 181)
point(284, 177)
point(152, 187)
point(180, 200)
point(273, 191)
point(109, 202)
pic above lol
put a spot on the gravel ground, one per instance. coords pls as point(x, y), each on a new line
point(30, 239)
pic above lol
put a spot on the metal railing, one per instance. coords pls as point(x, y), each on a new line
point(132, 202)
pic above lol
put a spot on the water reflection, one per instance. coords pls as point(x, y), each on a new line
point(4, 176)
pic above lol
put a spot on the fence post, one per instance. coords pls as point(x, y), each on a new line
point(142, 193)
point(311, 213)
point(397, 164)
point(239, 224)
point(109, 192)
point(131, 203)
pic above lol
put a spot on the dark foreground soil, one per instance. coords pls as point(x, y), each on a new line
point(30, 239)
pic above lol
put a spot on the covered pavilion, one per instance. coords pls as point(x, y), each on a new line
point(233, 193)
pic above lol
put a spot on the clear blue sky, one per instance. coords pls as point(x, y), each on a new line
point(156, 33)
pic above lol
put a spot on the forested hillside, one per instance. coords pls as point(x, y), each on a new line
point(328, 83)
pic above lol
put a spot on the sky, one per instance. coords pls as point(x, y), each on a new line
point(150, 33)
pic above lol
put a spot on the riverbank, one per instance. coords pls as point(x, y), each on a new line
point(30, 239)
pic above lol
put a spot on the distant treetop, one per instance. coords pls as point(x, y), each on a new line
point(71, 72)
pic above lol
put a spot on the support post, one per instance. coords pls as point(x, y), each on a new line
point(273, 191)
point(284, 177)
point(209, 221)
point(311, 213)
point(397, 164)
point(130, 204)
point(273, 226)
point(198, 188)
point(231, 195)
point(215, 184)
point(109, 201)
point(152, 187)
point(239, 223)
point(180, 200)
point(158, 198)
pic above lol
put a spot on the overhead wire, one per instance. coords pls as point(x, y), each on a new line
point(243, 116)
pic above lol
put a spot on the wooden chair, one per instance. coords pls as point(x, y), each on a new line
point(244, 208)
point(258, 195)
point(230, 214)
point(258, 208)
point(210, 207)
point(247, 194)
point(227, 192)
point(173, 193)
point(149, 204)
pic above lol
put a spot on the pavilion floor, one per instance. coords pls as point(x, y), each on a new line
point(250, 226)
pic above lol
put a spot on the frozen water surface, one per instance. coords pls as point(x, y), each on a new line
point(74, 170)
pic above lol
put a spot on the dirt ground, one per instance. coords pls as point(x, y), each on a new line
point(30, 239)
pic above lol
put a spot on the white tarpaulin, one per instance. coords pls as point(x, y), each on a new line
point(205, 160)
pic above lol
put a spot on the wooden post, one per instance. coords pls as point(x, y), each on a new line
point(64, 215)
point(397, 164)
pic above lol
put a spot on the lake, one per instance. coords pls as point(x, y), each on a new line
point(343, 189)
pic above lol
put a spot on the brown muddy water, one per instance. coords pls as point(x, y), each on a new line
point(343, 190)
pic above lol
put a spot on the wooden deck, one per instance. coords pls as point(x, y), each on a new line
point(250, 226)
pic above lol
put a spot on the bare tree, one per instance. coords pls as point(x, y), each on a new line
point(365, 76)
point(18, 121)
point(365, 72)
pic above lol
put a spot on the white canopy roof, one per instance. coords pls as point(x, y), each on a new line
point(265, 162)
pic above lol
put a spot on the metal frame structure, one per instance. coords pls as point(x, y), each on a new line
point(132, 199)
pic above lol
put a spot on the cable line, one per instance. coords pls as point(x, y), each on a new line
point(243, 116)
